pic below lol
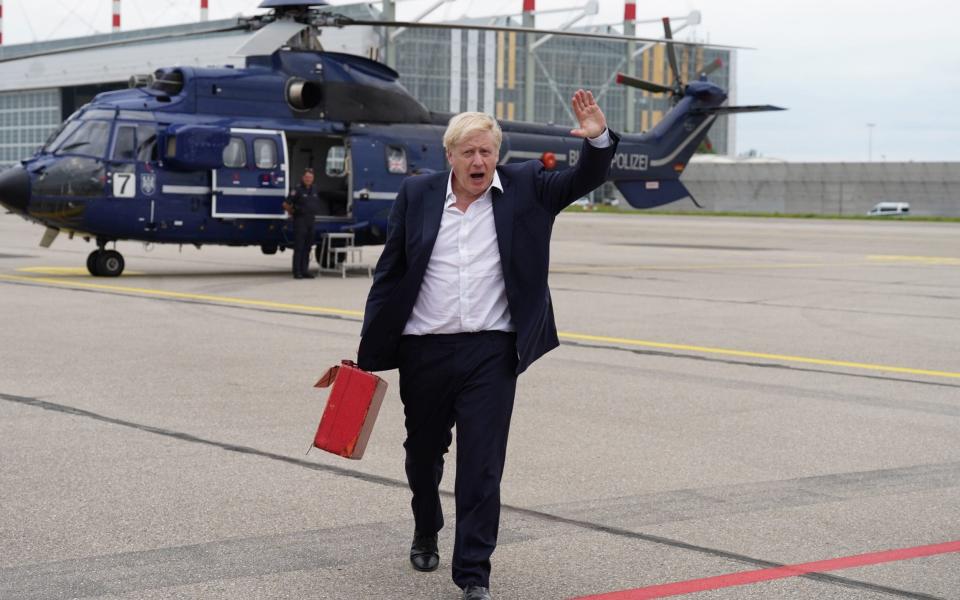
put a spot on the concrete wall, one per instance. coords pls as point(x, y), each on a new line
point(932, 189)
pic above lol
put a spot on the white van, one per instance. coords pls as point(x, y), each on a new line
point(883, 209)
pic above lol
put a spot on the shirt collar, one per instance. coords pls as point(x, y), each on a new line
point(493, 184)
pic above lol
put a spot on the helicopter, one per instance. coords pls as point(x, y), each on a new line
point(200, 156)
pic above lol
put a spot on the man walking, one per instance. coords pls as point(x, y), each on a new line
point(304, 204)
point(460, 305)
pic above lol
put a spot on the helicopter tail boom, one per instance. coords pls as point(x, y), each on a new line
point(650, 194)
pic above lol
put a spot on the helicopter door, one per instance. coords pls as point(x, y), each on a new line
point(253, 181)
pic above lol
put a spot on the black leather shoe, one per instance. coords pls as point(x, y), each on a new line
point(424, 555)
point(309, 276)
point(476, 592)
point(298, 276)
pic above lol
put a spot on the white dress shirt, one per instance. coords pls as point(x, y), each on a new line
point(462, 288)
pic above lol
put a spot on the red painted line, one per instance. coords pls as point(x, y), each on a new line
point(748, 577)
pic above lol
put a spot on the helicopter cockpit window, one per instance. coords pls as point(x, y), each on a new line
point(90, 139)
point(396, 160)
point(61, 135)
point(265, 153)
point(146, 143)
point(125, 143)
point(336, 161)
point(235, 154)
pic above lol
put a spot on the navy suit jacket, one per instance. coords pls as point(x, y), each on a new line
point(523, 214)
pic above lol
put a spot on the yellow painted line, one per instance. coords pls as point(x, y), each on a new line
point(926, 260)
point(228, 300)
point(66, 271)
point(727, 266)
point(136, 291)
point(763, 355)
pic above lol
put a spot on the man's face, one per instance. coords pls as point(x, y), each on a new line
point(307, 179)
point(473, 161)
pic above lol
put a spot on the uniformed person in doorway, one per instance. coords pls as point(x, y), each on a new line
point(304, 204)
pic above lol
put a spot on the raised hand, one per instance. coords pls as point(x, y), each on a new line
point(592, 121)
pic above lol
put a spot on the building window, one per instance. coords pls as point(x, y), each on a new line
point(26, 120)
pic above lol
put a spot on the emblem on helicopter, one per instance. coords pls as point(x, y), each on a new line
point(148, 183)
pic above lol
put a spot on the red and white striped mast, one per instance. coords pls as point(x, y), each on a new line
point(203, 9)
point(630, 29)
point(116, 15)
point(530, 73)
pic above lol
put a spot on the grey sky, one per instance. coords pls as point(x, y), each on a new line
point(837, 65)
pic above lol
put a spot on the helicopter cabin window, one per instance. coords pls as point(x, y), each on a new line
point(90, 139)
point(397, 160)
point(265, 152)
point(336, 161)
point(235, 154)
point(125, 143)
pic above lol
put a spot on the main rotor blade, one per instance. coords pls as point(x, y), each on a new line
point(729, 110)
point(270, 37)
point(9, 54)
point(656, 88)
point(671, 52)
point(330, 20)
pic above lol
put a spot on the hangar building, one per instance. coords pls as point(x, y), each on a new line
point(41, 84)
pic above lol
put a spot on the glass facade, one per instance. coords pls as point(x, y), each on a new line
point(26, 120)
point(456, 71)
point(451, 71)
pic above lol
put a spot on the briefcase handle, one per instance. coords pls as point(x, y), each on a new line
point(330, 376)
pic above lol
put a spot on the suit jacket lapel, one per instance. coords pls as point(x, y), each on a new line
point(432, 213)
point(503, 208)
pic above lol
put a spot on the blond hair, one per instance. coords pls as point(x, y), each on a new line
point(465, 123)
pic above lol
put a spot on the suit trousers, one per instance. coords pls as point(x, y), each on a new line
point(467, 380)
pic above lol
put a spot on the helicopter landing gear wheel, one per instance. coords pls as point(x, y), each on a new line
point(109, 263)
point(92, 262)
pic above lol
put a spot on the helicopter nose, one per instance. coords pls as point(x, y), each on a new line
point(15, 189)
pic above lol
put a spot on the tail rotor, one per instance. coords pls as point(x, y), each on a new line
point(677, 88)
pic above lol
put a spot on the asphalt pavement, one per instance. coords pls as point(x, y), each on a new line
point(730, 396)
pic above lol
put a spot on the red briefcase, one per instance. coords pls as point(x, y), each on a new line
point(351, 409)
